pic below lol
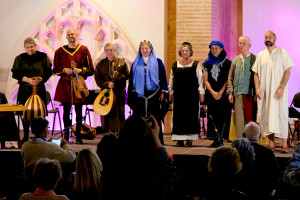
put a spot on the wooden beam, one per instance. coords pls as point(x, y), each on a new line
point(169, 48)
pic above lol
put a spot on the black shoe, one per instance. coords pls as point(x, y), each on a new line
point(79, 142)
point(188, 143)
point(180, 143)
point(217, 143)
point(66, 135)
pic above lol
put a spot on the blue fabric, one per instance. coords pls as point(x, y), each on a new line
point(217, 43)
point(212, 60)
point(152, 73)
point(294, 162)
point(39, 139)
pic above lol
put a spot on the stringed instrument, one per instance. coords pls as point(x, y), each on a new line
point(105, 101)
point(35, 105)
point(79, 86)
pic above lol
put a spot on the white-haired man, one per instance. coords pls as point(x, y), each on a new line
point(240, 87)
point(266, 170)
point(112, 72)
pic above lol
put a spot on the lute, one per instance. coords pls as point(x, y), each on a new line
point(105, 101)
point(35, 105)
point(79, 86)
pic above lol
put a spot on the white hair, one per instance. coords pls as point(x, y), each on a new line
point(252, 131)
point(245, 37)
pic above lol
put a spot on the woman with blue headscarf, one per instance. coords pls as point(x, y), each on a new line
point(215, 75)
point(147, 84)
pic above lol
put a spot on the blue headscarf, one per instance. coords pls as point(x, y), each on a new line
point(211, 59)
point(138, 73)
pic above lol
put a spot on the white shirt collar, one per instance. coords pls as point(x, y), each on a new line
point(243, 59)
point(146, 59)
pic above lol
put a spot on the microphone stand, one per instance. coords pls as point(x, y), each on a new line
point(218, 141)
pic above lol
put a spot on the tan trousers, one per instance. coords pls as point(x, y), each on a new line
point(239, 115)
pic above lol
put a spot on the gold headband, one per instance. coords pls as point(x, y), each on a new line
point(146, 42)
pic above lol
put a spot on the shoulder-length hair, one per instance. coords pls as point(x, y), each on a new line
point(88, 174)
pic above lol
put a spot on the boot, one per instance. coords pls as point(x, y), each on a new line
point(78, 134)
point(66, 134)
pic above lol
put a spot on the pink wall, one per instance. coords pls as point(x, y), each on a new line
point(224, 25)
point(283, 17)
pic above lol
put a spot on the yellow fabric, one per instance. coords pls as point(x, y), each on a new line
point(232, 130)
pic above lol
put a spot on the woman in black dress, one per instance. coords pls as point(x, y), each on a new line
point(186, 92)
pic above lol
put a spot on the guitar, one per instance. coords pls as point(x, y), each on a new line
point(79, 85)
point(105, 101)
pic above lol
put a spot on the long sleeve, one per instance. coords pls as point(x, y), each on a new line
point(47, 71)
point(99, 79)
point(171, 83)
point(87, 68)
point(200, 80)
point(163, 79)
point(58, 68)
point(230, 80)
point(17, 73)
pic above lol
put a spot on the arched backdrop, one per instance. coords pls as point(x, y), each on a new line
point(95, 28)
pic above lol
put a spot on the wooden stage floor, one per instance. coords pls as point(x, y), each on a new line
point(200, 147)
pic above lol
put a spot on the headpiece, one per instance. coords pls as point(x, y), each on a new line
point(146, 42)
point(217, 43)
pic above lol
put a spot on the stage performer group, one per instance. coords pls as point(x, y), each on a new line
point(250, 85)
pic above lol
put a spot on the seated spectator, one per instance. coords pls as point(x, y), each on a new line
point(224, 164)
point(39, 147)
point(292, 172)
point(85, 182)
point(106, 148)
point(143, 169)
point(247, 156)
point(246, 151)
point(291, 176)
point(46, 175)
point(266, 172)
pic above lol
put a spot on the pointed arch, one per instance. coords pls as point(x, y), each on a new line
point(95, 28)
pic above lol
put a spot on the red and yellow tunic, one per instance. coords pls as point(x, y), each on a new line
point(62, 59)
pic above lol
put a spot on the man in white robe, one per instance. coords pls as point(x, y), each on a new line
point(272, 71)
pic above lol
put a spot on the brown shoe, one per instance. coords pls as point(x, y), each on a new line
point(285, 150)
point(188, 143)
point(179, 143)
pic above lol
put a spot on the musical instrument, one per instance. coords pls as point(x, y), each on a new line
point(79, 85)
point(87, 132)
point(35, 105)
point(105, 101)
